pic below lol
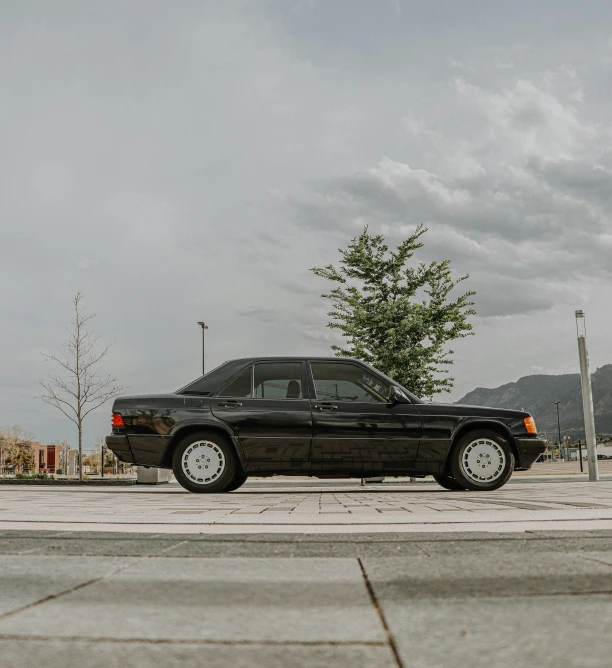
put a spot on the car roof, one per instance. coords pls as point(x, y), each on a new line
point(220, 374)
point(295, 358)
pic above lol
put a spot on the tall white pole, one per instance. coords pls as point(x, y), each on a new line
point(204, 327)
point(587, 397)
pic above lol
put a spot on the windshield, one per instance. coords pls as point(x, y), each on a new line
point(408, 394)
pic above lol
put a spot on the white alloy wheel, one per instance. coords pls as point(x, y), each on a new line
point(483, 460)
point(203, 462)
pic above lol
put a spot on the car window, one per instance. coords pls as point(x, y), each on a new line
point(278, 380)
point(239, 386)
point(347, 382)
point(208, 383)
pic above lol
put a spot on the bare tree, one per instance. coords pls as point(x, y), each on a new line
point(64, 455)
point(79, 388)
point(3, 449)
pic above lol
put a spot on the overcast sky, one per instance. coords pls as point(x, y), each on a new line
point(191, 160)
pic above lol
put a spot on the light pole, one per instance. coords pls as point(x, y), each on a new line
point(587, 397)
point(204, 327)
point(559, 427)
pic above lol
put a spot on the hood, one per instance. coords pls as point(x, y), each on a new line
point(468, 409)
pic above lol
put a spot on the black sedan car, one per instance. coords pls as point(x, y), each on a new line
point(326, 417)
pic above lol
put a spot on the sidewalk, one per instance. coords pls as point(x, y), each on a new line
point(560, 468)
point(306, 506)
point(306, 573)
point(390, 600)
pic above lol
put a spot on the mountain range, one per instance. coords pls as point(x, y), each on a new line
point(538, 394)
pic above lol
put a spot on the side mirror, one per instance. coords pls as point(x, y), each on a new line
point(397, 396)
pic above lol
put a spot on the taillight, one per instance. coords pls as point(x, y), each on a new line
point(530, 425)
point(117, 420)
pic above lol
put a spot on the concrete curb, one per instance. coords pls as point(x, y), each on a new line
point(17, 481)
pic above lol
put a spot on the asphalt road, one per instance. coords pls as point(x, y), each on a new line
point(392, 599)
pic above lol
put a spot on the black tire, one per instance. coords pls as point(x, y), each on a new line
point(447, 482)
point(239, 479)
point(217, 464)
point(482, 460)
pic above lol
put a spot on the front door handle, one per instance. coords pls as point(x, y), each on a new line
point(327, 407)
point(229, 404)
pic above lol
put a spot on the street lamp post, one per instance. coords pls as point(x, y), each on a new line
point(587, 397)
point(204, 327)
point(559, 427)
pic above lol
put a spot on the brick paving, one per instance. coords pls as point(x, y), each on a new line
point(73, 599)
point(136, 575)
point(561, 468)
point(304, 503)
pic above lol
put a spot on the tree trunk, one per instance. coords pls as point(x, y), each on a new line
point(80, 452)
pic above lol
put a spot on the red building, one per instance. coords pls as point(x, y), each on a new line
point(46, 457)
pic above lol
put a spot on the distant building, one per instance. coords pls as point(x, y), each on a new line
point(46, 457)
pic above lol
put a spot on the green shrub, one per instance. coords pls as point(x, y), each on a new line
point(33, 476)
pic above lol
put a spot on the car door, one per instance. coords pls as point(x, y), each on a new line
point(355, 427)
point(267, 407)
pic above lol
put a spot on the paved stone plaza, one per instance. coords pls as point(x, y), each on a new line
point(306, 573)
point(310, 505)
point(276, 600)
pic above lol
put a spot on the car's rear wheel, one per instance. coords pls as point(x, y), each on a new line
point(239, 479)
point(482, 460)
point(448, 482)
point(205, 462)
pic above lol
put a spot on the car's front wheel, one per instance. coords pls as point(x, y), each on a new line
point(205, 462)
point(481, 460)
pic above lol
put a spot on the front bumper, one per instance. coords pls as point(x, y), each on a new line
point(529, 449)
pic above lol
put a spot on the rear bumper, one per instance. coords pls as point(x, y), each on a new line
point(119, 444)
point(529, 449)
point(140, 449)
point(149, 449)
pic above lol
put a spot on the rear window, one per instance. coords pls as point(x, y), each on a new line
point(278, 380)
point(240, 386)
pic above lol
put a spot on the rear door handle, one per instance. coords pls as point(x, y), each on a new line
point(229, 404)
point(327, 407)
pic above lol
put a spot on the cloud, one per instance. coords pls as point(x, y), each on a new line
point(502, 296)
point(260, 314)
point(197, 169)
point(526, 203)
point(529, 119)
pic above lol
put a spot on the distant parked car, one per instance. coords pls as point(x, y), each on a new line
point(318, 417)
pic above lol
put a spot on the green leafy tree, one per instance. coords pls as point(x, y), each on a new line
point(22, 457)
point(15, 447)
point(396, 314)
